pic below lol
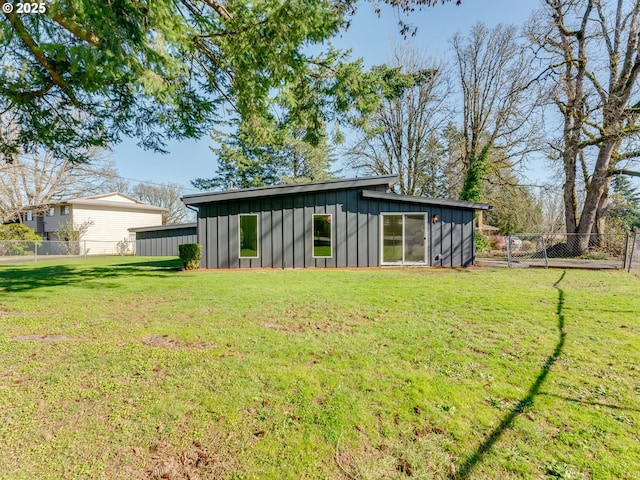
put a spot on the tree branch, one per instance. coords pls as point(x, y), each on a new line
point(219, 8)
point(76, 29)
point(622, 171)
point(36, 51)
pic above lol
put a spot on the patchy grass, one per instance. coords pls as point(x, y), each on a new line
point(125, 368)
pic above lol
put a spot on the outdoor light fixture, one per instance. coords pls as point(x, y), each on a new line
point(435, 219)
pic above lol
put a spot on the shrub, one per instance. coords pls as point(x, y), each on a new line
point(20, 238)
point(527, 246)
point(482, 243)
point(70, 234)
point(190, 254)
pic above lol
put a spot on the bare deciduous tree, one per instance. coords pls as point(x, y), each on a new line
point(494, 71)
point(167, 196)
point(404, 134)
point(70, 233)
point(593, 53)
point(30, 182)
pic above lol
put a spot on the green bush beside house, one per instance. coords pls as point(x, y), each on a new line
point(190, 254)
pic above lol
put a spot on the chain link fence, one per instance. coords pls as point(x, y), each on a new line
point(633, 255)
point(13, 251)
point(603, 251)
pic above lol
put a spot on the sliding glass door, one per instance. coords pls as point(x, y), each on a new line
point(404, 239)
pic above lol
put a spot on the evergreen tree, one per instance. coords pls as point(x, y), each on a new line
point(624, 207)
point(82, 73)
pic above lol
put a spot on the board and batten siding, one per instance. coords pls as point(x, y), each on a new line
point(286, 223)
point(163, 241)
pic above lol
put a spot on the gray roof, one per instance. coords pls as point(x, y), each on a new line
point(349, 183)
point(392, 197)
point(287, 189)
point(130, 203)
point(163, 227)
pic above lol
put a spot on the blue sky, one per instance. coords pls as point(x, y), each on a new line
point(369, 37)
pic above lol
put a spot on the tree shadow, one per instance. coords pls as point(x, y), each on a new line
point(469, 464)
point(20, 279)
point(169, 264)
point(595, 404)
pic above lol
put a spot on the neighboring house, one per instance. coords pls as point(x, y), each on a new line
point(336, 223)
point(110, 215)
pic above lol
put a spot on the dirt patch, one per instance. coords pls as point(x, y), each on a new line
point(191, 464)
point(163, 461)
point(45, 338)
point(308, 326)
point(7, 312)
point(333, 324)
point(164, 341)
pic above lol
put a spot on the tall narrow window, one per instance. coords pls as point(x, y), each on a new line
point(29, 216)
point(322, 235)
point(65, 210)
point(248, 225)
point(51, 212)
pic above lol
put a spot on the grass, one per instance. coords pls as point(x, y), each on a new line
point(125, 368)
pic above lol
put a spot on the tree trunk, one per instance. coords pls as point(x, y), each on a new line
point(597, 188)
point(600, 225)
point(569, 191)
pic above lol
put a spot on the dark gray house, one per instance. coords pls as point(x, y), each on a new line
point(163, 240)
point(336, 223)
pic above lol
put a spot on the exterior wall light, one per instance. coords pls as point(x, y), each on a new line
point(435, 219)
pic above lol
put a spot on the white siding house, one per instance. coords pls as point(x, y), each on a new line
point(110, 216)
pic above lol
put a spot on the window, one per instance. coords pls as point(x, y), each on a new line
point(322, 244)
point(248, 226)
point(29, 216)
point(51, 212)
point(392, 238)
point(404, 238)
point(65, 210)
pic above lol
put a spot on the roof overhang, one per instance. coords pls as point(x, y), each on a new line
point(440, 202)
point(141, 207)
point(176, 226)
point(288, 189)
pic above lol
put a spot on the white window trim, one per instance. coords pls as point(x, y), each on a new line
point(313, 234)
point(427, 256)
point(240, 215)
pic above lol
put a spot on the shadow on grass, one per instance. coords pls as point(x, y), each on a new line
point(18, 279)
point(596, 404)
point(469, 464)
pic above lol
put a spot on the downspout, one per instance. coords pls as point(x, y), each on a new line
point(197, 211)
point(192, 208)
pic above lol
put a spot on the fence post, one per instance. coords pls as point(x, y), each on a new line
point(633, 247)
point(544, 250)
point(509, 250)
point(36, 251)
point(626, 251)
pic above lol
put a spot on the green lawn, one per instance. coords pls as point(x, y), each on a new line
point(125, 368)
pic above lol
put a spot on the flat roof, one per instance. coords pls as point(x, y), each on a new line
point(288, 189)
point(175, 226)
point(393, 197)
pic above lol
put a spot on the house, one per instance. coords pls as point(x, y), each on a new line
point(163, 240)
point(108, 218)
point(337, 223)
